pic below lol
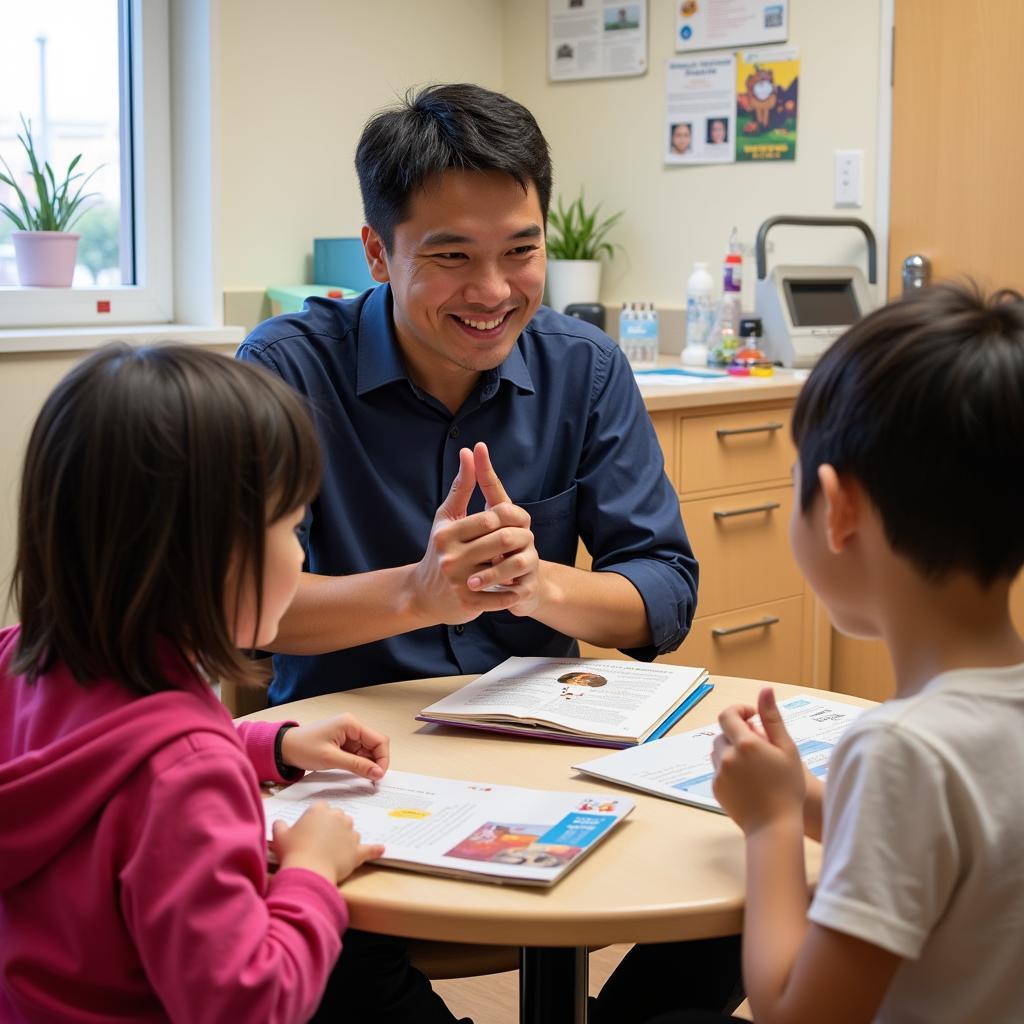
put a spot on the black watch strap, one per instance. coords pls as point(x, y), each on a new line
point(282, 768)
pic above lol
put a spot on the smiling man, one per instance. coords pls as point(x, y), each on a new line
point(470, 436)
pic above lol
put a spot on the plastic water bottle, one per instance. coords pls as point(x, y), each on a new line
point(699, 313)
point(638, 334)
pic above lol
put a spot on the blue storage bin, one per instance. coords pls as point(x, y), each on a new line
point(341, 260)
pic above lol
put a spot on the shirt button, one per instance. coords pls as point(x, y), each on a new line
point(459, 630)
point(454, 432)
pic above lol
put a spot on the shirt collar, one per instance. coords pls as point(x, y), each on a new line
point(380, 362)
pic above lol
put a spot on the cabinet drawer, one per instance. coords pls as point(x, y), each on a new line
point(742, 545)
point(734, 449)
point(762, 642)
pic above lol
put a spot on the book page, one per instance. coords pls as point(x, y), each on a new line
point(679, 767)
point(465, 828)
point(614, 698)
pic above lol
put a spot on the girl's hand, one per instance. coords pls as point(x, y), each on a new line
point(341, 742)
point(759, 778)
point(323, 841)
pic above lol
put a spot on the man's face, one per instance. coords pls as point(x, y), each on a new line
point(466, 271)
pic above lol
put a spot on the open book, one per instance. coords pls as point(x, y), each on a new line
point(474, 830)
point(578, 700)
point(679, 767)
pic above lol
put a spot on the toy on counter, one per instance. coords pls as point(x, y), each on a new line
point(750, 361)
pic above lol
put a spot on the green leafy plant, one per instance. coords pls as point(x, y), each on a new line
point(578, 234)
point(59, 203)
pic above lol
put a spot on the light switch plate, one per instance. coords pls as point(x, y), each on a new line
point(847, 165)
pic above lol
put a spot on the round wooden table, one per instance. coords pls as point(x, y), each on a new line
point(668, 872)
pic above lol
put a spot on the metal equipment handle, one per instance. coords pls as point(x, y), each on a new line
point(730, 431)
point(768, 620)
point(831, 222)
point(768, 506)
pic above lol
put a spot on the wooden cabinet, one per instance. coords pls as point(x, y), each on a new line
point(730, 463)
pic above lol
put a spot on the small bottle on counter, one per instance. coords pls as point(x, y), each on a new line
point(699, 309)
point(638, 334)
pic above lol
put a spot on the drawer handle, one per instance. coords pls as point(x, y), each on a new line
point(768, 506)
point(768, 620)
point(768, 428)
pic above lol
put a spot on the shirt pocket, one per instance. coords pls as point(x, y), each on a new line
point(553, 522)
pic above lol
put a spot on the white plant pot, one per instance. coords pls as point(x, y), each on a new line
point(571, 281)
point(45, 259)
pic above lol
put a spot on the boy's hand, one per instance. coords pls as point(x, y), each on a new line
point(324, 841)
point(759, 778)
point(341, 742)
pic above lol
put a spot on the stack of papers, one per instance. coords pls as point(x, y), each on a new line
point(679, 767)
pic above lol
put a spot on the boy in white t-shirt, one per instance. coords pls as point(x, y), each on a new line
point(910, 528)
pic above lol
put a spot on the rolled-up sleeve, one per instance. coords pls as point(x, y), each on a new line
point(629, 511)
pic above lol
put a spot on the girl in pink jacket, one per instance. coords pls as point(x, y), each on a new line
point(161, 493)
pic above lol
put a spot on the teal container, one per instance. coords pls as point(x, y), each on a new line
point(342, 260)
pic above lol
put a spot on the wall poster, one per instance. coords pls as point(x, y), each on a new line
point(767, 82)
point(727, 24)
point(591, 39)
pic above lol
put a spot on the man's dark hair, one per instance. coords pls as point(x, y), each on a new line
point(149, 472)
point(923, 403)
point(442, 128)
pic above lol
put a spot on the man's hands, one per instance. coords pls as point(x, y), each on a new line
point(759, 777)
point(340, 742)
point(468, 557)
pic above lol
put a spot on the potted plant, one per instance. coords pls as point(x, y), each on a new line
point(44, 245)
point(575, 244)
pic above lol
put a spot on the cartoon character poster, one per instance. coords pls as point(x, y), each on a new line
point(766, 104)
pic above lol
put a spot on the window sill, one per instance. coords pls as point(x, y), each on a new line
point(82, 339)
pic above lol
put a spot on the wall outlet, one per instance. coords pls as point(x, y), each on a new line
point(846, 177)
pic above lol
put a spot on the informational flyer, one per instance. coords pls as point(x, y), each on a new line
point(700, 110)
point(679, 767)
point(767, 83)
point(465, 829)
point(724, 24)
point(591, 39)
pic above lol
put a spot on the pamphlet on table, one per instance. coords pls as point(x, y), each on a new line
point(679, 767)
point(577, 700)
point(475, 830)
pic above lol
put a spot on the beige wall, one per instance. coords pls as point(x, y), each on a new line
point(607, 134)
point(298, 81)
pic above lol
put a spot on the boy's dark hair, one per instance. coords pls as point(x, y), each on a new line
point(442, 128)
point(923, 403)
point(149, 473)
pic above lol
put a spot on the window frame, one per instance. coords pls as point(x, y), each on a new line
point(151, 299)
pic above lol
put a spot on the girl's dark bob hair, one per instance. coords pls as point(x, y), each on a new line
point(150, 473)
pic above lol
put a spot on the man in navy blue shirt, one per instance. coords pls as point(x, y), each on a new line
point(470, 436)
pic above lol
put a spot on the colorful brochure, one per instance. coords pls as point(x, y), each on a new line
point(679, 767)
point(576, 700)
point(474, 830)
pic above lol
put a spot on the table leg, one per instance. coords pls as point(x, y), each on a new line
point(553, 985)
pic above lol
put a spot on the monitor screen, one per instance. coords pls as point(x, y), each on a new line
point(822, 302)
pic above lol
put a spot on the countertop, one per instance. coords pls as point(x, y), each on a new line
point(783, 386)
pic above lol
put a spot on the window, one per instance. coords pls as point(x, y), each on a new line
point(91, 76)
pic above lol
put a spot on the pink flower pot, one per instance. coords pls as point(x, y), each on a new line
point(45, 259)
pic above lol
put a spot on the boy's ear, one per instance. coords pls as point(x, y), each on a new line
point(842, 507)
point(376, 254)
